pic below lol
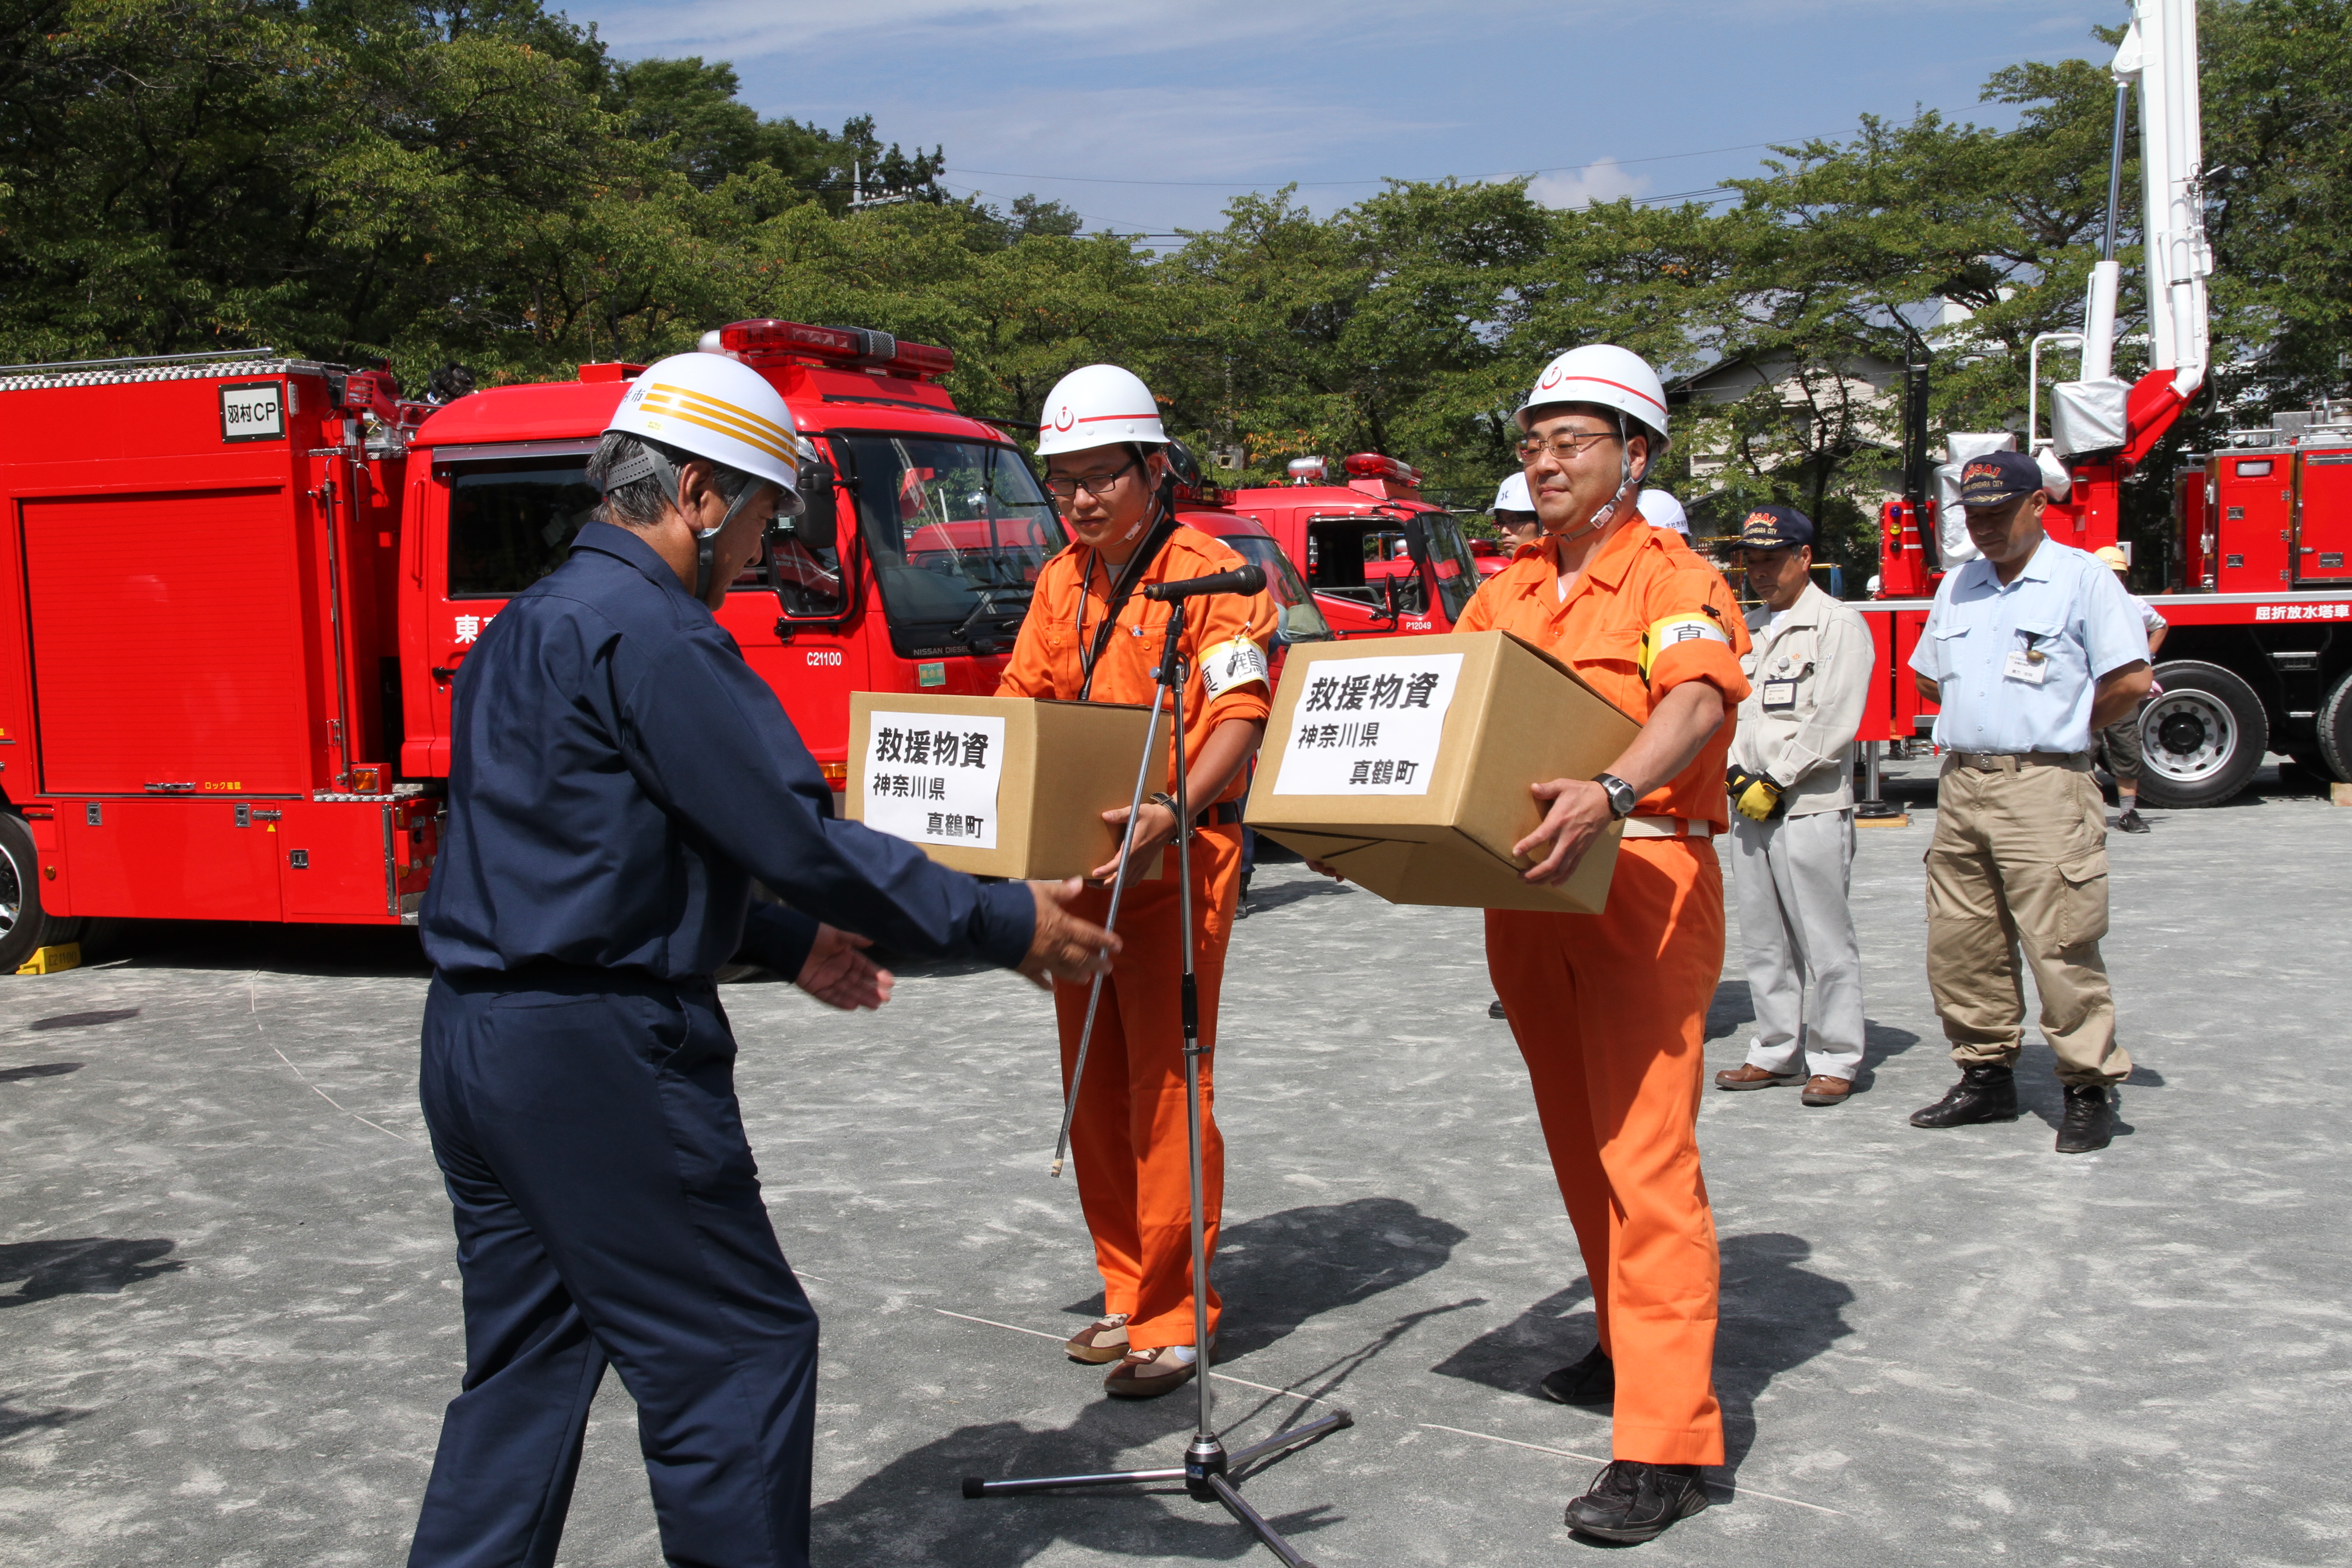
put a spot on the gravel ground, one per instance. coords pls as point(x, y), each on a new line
point(228, 1317)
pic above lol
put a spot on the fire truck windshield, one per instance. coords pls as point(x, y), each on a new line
point(1449, 559)
point(1298, 619)
point(957, 531)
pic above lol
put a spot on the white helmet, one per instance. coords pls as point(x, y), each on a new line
point(1099, 405)
point(1512, 495)
point(1660, 510)
point(1610, 376)
point(715, 407)
point(709, 406)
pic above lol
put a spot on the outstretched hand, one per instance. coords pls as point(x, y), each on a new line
point(838, 973)
point(1064, 947)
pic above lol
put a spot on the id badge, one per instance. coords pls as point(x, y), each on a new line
point(2024, 667)
point(1780, 696)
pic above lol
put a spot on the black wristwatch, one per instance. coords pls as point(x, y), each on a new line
point(1621, 794)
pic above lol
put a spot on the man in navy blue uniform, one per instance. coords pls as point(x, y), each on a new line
point(618, 777)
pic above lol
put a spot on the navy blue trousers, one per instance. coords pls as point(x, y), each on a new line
point(607, 1210)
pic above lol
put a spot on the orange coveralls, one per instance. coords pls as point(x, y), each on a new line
point(1610, 1010)
point(1127, 1140)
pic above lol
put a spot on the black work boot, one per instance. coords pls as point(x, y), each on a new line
point(1633, 1500)
point(2089, 1119)
point(1592, 1381)
point(1983, 1094)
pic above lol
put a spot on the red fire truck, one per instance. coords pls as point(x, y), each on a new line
point(1381, 561)
point(2256, 581)
point(241, 584)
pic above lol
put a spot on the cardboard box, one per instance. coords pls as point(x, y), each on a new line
point(1405, 762)
point(1023, 790)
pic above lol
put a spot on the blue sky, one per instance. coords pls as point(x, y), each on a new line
point(1148, 117)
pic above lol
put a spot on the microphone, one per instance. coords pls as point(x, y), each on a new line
point(1240, 580)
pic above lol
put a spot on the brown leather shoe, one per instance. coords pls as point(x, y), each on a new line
point(1147, 1374)
point(1824, 1090)
point(1103, 1340)
point(1748, 1075)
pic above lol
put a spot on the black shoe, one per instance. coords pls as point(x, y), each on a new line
point(2089, 1119)
point(1983, 1094)
point(1592, 1381)
point(2132, 822)
point(1630, 1500)
point(1494, 1009)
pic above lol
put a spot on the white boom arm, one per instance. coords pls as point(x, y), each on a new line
point(2160, 53)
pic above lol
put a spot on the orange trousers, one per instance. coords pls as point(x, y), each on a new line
point(1128, 1141)
point(1610, 1012)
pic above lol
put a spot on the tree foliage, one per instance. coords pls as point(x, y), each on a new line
point(423, 179)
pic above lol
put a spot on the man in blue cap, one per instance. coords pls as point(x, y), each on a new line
point(2029, 651)
point(1792, 783)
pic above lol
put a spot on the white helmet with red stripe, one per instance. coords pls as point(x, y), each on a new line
point(1609, 377)
point(1099, 405)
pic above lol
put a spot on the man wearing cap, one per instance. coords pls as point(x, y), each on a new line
point(618, 775)
point(2029, 651)
point(2120, 740)
point(1791, 786)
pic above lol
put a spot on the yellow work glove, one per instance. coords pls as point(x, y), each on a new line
point(1759, 800)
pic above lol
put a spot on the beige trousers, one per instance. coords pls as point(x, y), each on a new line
point(2020, 862)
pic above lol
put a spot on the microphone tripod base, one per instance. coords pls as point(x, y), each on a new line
point(1207, 1474)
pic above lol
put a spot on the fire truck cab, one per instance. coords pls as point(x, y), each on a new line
point(1381, 562)
point(241, 586)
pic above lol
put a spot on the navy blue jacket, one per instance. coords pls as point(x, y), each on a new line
point(617, 777)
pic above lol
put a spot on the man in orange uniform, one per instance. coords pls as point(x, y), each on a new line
point(1610, 1010)
point(1090, 635)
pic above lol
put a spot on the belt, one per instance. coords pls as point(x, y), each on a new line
point(1668, 827)
point(2010, 761)
point(1224, 814)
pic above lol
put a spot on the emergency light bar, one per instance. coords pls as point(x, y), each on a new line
point(1308, 470)
point(770, 341)
point(1375, 465)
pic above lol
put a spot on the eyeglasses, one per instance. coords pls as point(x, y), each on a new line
point(1098, 486)
point(1567, 448)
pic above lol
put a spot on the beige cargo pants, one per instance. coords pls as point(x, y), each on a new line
point(2020, 862)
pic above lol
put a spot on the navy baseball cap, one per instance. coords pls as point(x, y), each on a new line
point(1999, 477)
point(1775, 528)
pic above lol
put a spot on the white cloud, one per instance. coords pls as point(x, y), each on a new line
point(1606, 180)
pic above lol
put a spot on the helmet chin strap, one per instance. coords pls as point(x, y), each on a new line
point(649, 463)
point(1601, 519)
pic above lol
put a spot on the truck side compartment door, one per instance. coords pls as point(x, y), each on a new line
point(2323, 517)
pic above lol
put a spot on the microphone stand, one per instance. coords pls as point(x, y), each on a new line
point(1209, 1470)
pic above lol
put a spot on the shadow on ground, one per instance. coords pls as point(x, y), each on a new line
point(912, 1512)
point(1276, 1271)
point(80, 1265)
point(1774, 1316)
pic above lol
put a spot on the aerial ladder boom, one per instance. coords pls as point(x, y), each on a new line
point(2100, 418)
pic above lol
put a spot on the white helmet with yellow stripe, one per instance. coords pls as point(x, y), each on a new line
point(712, 407)
point(706, 405)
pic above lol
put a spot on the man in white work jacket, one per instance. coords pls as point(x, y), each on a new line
point(1792, 783)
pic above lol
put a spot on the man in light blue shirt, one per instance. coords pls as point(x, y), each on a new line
point(2029, 652)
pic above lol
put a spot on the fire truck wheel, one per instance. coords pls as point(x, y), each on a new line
point(2335, 730)
point(24, 929)
point(2202, 738)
